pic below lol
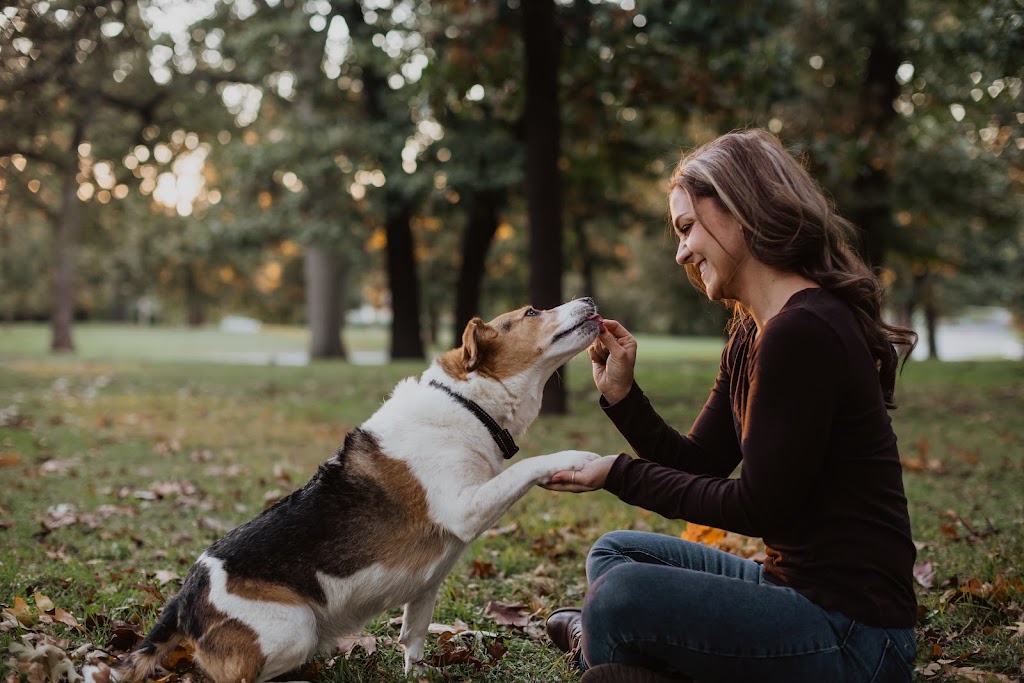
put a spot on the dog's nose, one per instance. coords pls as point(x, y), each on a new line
point(587, 300)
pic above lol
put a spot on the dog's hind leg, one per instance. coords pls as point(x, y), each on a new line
point(415, 623)
point(231, 652)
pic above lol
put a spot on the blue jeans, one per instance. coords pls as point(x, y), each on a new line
point(682, 608)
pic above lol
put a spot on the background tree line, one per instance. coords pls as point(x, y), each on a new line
point(291, 158)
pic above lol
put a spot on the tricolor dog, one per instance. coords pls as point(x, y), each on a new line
point(382, 522)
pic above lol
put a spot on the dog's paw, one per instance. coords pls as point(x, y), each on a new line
point(570, 460)
point(419, 669)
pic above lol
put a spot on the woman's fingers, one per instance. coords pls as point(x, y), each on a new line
point(615, 337)
point(590, 478)
point(615, 328)
point(598, 352)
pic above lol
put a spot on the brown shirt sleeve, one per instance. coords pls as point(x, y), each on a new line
point(790, 395)
point(711, 446)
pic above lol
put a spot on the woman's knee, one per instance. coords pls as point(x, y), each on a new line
point(610, 551)
point(609, 608)
point(613, 595)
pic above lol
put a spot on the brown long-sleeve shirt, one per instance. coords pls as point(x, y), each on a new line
point(800, 406)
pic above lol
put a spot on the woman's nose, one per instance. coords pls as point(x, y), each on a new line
point(683, 253)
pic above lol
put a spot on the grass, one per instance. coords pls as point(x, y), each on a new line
point(159, 458)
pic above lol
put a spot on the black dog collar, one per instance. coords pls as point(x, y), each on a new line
point(504, 440)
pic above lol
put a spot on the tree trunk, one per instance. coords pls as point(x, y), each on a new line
point(406, 341)
point(195, 311)
point(324, 311)
point(585, 261)
point(923, 295)
point(931, 319)
point(872, 212)
point(925, 285)
point(543, 179)
point(484, 207)
point(322, 263)
point(66, 226)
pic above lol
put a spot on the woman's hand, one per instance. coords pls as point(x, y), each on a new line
point(613, 355)
point(590, 478)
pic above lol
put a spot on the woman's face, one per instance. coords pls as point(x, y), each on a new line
point(713, 243)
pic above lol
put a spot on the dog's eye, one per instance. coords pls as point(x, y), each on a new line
point(531, 311)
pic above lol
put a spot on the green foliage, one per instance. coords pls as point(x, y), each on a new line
point(300, 110)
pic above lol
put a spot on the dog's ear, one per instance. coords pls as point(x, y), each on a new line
point(474, 338)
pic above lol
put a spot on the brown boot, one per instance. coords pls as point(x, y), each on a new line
point(621, 673)
point(565, 628)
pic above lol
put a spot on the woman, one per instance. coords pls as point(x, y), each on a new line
point(801, 402)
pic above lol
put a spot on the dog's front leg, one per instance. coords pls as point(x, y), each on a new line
point(415, 623)
point(476, 509)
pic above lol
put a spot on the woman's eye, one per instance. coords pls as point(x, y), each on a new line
point(531, 311)
point(684, 230)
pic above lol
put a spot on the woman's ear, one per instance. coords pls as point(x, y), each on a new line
point(473, 337)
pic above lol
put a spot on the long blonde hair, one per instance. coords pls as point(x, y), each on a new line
point(788, 223)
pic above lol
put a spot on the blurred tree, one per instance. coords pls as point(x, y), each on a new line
point(542, 125)
point(75, 96)
point(473, 87)
point(959, 200)
point(282, 162)
point(388, 108)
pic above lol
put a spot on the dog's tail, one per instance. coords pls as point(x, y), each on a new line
point(159, 643)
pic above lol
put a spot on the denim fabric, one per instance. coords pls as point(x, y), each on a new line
point(683, 608)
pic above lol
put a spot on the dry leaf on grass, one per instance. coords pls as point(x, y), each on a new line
point(9, 459)
point(348, 644)
point(21, 611)
point(516, 615)
point(735, 544)
point(924, 574)
point(163, 576)
point(43, 603)
point(44, 661)
point(483, 570)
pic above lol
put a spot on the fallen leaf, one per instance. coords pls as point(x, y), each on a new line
point(58, 516)
point(153, 595)
point(21, 611)
point(347, 644)
point(450, 655)
point(43, 603)
point(55, 466)
point(483, 570)
point(497, 649)
point(44, 661)
point(698, 533)
point(9, 459)
point(1018, 632)
point(458, 627)
point(163, 576)
point(507, 615)
point(924, 574)
point(67, 618)
point(124, 636)
point(502, 530)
